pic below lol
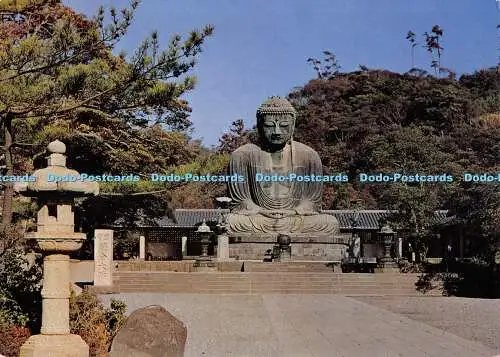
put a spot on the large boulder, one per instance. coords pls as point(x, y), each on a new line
point(150, 332)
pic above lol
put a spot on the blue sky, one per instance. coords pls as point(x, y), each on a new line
point(260, 47)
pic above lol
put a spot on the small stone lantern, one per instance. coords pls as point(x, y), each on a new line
point(387, 235)
point(55, 188)
point(204, 262)
point(204, 232)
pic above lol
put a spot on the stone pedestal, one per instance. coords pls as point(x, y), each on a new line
point(54, 346)
point(223, 247)
point(55, 294)
point(310, 248)
point(286, 254)
point(392, 269)
point(387, 265)
point(205, 267)
point(55, 339)
point(204, 264)
point(142, 248)
point(103, 257)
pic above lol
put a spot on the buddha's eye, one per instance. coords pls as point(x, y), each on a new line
point(284, 125)
point(269, 124)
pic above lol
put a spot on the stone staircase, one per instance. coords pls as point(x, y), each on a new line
point(288, 267)
point(265, 282)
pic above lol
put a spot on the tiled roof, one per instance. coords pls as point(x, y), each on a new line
point(141, 219)
point(367, 219)
point(193, 217)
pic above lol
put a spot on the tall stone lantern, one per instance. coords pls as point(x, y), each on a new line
point(387, 263)
point(55, 188)
point(204, 261)
point(205, 233)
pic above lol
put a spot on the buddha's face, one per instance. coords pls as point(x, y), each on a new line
point(277, 129)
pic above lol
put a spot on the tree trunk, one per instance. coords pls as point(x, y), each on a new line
point(8, 192)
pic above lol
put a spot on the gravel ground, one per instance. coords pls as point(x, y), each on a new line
point(323, 325)
point(473, 319)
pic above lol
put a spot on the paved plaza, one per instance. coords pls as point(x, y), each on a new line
point(325, 325)
point(473, 319)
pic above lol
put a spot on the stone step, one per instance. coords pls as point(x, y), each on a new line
point(287, 267)
point(260, 277)
point(266, 283)
point(366, 276)
point(173, 289)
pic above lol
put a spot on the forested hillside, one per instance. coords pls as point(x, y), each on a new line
point(136, 122)
point(373, 121)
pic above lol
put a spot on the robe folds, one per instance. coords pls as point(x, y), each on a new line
point(253, 163)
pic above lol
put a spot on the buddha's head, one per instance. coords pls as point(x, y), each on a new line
point(276, 121)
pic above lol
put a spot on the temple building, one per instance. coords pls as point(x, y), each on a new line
point(164, 237)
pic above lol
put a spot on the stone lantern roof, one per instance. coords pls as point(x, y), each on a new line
point(203, 228)
point(57, 178)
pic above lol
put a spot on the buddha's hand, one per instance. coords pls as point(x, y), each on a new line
point(306, 208)
point(248, 208)
point(276, 214)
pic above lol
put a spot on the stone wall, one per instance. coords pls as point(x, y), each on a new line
point(184, 266)
point(300, 251)
point(82, 271)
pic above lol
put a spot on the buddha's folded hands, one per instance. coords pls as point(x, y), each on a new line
point(278, 213)
point(306, 208)
point(248, 208)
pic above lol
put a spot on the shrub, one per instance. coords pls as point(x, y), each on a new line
point(20, 283)
point(12, 338)
point(96, 324)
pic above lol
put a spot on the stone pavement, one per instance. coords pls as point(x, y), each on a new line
point(473, 319)
point(301, 326)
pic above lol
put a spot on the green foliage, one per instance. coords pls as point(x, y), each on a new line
point(59, 79)
point(116, 317)
point(477, 207)
point(237, 136)
point(18, 5)
point(126, 244)
point(328, 67)
point(95, 323)
point(20, 283)
point(380, 121)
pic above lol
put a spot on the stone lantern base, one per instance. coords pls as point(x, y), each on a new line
point(204, 265)
point(387, 265)
point(54, 346)
point(393, 270)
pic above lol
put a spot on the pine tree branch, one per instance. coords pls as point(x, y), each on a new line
point(47, 66)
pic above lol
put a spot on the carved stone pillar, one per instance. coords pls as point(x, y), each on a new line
point(184, 241)
point(142, 248)
point(103, 257)
point(222, 247)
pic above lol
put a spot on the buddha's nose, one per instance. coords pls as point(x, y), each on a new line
point(277, 130)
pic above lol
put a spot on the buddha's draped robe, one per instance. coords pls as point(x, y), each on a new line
point(250, 160)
